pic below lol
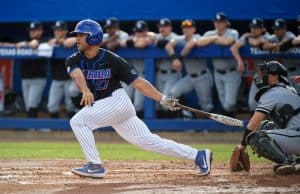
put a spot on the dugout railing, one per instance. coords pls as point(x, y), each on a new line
point(149, 55)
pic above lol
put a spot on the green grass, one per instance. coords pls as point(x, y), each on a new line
point(72, 150)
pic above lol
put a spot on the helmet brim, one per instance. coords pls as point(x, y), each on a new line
point(80, 32)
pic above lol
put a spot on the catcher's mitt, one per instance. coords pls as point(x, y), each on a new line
point(239, 160)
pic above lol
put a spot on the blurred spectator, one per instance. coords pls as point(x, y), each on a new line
point(165, 76)
point(198, 76)
point(254, 39)
point(33, 71)
point(275, 41)
point(114, 36)
point(142, 38)
point(61, 82)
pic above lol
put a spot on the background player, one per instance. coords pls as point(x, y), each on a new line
point(61, 82)
point(280, 36)
point(277, 140)
point(254, 39)
point(226, 74)
point(142, 38)
point(98, 72)
point(114, 36)
point(33, 71)
point(198, 76)
point(166, 76)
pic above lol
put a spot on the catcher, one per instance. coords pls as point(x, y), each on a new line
point(276, 139)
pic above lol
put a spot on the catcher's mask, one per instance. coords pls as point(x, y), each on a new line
point(272, 67)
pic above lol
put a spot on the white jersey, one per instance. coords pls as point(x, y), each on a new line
point(165, 64)
point(122, 36)
point(290, 63)
point(192, 65)
point(244, 41)
point(224, 63)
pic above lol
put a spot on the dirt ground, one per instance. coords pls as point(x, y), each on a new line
point(135, 177)
point(42, 176)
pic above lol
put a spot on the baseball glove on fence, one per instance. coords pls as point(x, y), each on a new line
point(239, 160)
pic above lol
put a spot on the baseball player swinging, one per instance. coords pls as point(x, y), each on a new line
point(277, 140)
point(98, 73)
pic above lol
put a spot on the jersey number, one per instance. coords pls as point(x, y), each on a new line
point(101, 84)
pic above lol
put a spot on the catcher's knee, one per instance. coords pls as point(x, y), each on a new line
point(265, 146)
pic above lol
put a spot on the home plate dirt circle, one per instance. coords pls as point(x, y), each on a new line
point(54, 176)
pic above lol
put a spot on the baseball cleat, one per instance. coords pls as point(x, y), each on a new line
point(90, 170)
point(285, 169)
point(203, 161)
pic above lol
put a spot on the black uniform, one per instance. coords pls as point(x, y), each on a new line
point(103, 72)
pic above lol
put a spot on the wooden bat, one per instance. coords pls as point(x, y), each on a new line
point(219, 118)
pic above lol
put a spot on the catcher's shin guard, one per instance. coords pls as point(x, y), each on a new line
point(267, 147)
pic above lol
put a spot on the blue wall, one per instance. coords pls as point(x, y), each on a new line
point(73, 10)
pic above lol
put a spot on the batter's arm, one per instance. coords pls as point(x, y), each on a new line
point(147, 89)
point(87, 95)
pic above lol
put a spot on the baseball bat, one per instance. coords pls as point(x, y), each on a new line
point(219, 118)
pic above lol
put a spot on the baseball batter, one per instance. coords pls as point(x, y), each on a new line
point(98, 73)
point(279, 139)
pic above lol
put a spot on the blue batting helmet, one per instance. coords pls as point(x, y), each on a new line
point(92, 28)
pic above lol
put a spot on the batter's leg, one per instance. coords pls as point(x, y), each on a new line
point(104, 112)
point(136, 132)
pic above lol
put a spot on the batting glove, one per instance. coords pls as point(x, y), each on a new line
point(170, 102)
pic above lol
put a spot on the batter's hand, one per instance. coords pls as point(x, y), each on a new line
point(170, 102)
point(87, 98)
